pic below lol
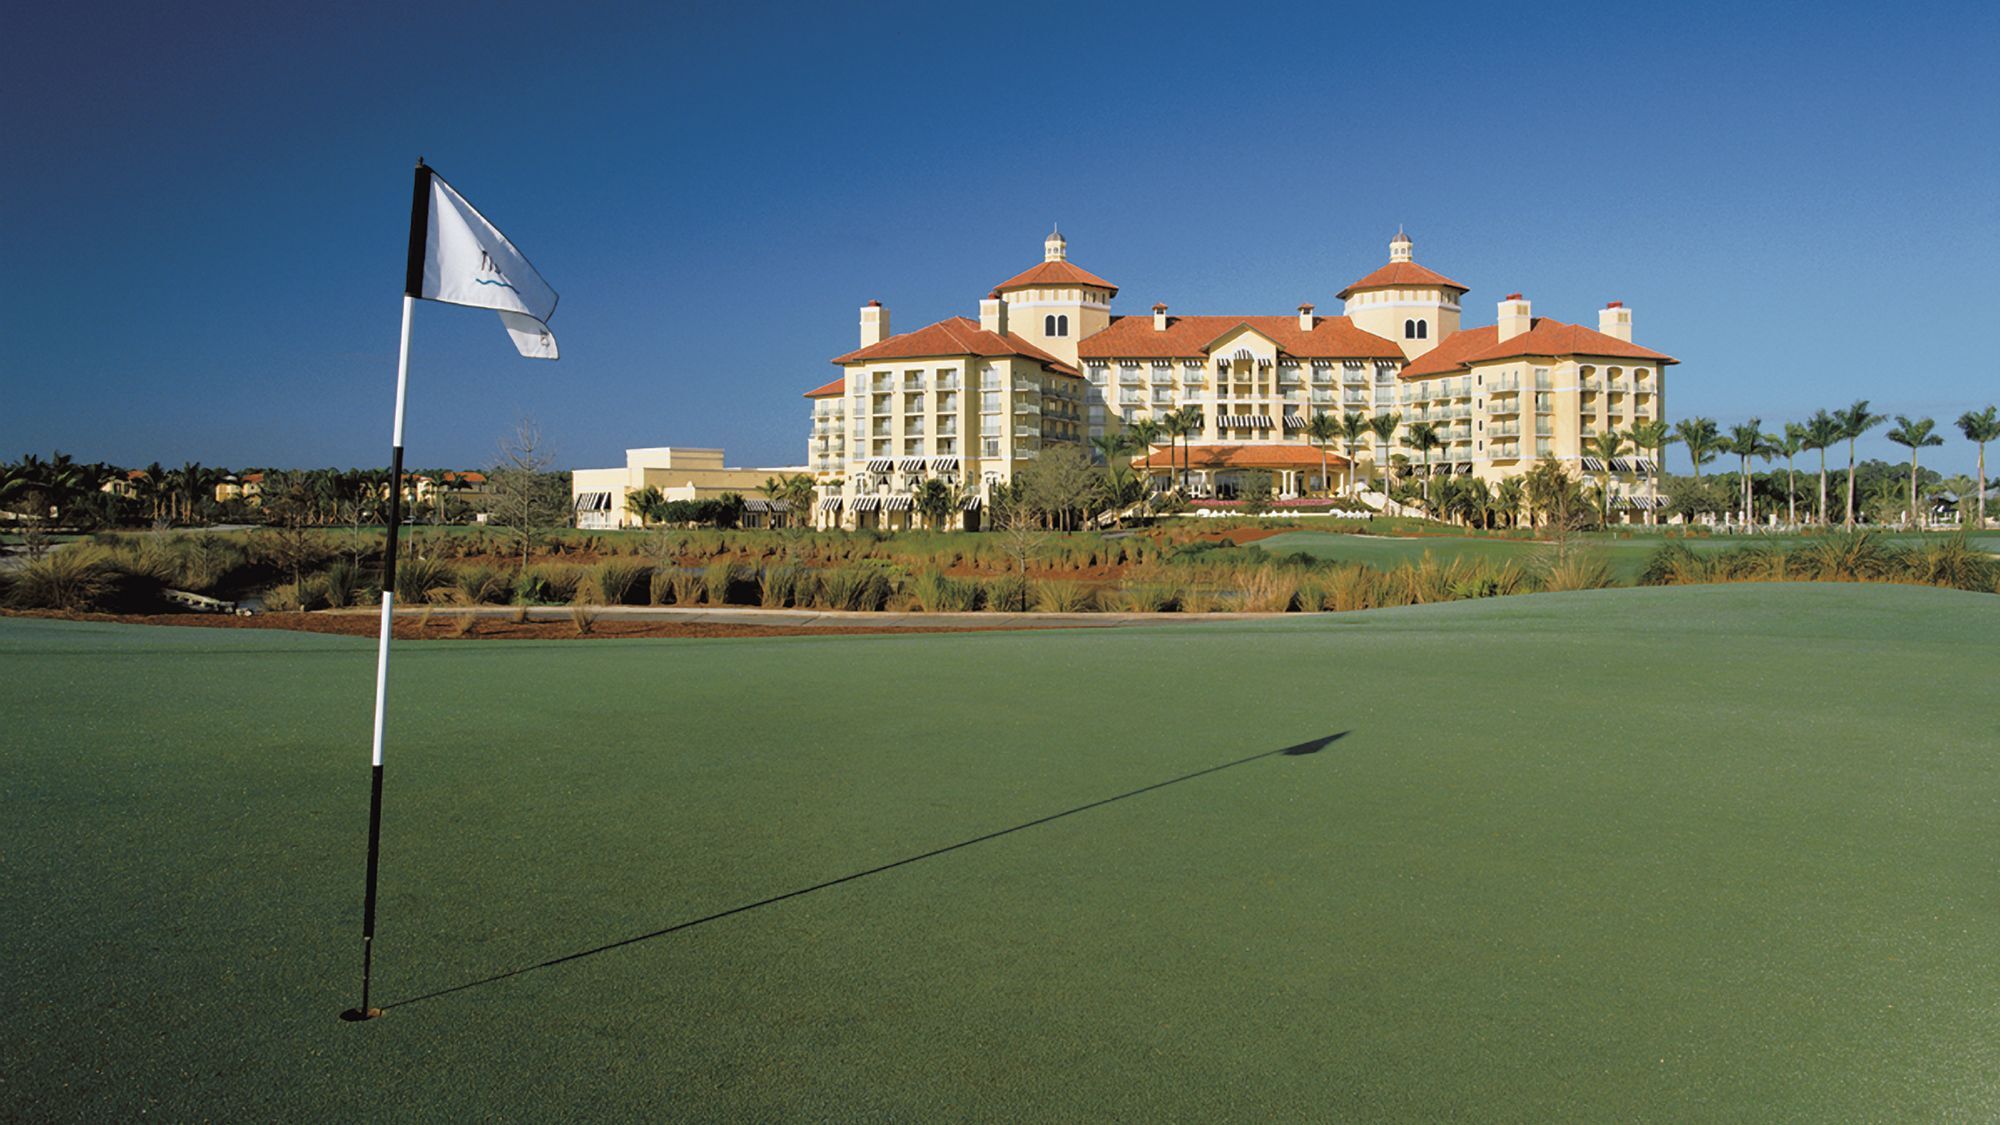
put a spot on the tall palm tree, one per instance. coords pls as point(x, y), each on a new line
point(1192, 421)
point(1746, 441)
point(1822, 432)
point(1914, 436)
point(1176, 425)
point(1353, 433)
point(1608, 446)
point(1652, 437)
point(935, 500)
point(1383, 426)
point(1980, 428)
point(1507, 498)
point(1855, 421)
point(1702, 439)
point(1790, 445)
point(1423, 437)
point(1108, 446)
point(1321, 430)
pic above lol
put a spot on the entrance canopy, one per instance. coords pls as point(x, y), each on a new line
point(1238, 457)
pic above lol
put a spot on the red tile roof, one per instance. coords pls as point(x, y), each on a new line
point(1054, 273)
point(1239, 457)
point(1331, 337)
point(1552, 338)
point(1401, 274)
point(833, 389)
point(955, 337)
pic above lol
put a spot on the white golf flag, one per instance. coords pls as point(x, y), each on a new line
point(467, 261)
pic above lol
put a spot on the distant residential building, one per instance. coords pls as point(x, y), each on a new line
point(678, 472)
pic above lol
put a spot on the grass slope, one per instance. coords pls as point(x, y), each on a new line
point(1690, 852)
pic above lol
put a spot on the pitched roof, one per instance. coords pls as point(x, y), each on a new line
point(1544, 336)
point(837, 387)
point(953, 337)
point(1331, 337)
point(1239, 457)
point(1054, 273)
point(1400, 274)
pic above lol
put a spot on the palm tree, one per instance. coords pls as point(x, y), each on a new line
point(1507, 497)
point(934, 499)
point(1353, 433)
point(1424, 437)
point(1176, 424)
point(1703, 441)
point(1914, 436)
point(1746, 441)
point(1192, 421)
point(1383, 426)
point(1608, 446)
point(1651, 437)
point(1321, 430)
point(1107, 446)
point(1790, 445)
point(799, 490)
point(1822, 431)
point(1980, 428)
point(1855, 421)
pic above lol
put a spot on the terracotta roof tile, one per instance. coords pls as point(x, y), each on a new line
point(1331, 337)
point(830, 390)
point(1054, 273)
point(954, 337)
point(1397, 274)
point(1239, 457)
point(1544, 336)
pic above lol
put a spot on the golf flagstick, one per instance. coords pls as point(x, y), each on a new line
point(457, 257)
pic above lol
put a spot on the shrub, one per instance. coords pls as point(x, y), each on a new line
point(779, 586)
point(1352, 587)
point(614, 579)
point(1953, 562)
point(71, 580)
point(584, 618)
point(854, 588)
point(341, 582)
point(1056, 596)
point(1266, 590)
point(1008, 594)
point(1857, 557)
point(547, 584)
point(1579, 571)
point(660, 586)
point(484, 585)
point(716, 581)
point(936, 593)
point(688, 587)
point(417, 577)
point(1674, 563)
point(1148, 597)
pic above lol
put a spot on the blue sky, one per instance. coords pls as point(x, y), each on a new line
point(203, 208)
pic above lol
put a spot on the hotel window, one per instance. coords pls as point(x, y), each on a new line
point(989, 402)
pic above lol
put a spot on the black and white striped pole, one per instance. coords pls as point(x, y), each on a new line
point(412, 289)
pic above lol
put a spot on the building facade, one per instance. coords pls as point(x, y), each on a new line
point(680, 473)
point(1048, 362)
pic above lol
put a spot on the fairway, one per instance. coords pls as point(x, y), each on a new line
point(1626, 557)
point(1690, 852)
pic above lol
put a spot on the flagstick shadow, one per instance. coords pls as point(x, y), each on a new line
point(1303, 748)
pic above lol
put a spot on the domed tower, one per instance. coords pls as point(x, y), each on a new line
point(1404, 302)
point(1055, 304)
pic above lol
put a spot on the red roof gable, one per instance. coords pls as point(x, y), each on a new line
point(1552, 338)
point(1331, 337)
point(831, 390)
point(1054, 273)
point(1398, 274)
point(955, 337)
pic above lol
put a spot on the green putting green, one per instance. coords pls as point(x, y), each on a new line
point(1626, 557)
point(1695, 852)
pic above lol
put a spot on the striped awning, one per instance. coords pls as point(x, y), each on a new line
point(1245, 421)
point(829, 503)
point(945, 464)
point(1642, 464)
point(1621, 465)
point(969, 503)
point(898, 503)
point(867, 503)
point(912, 464)
point(1593, 465)
point(882, 465)
point(759, 504)
point(1295, 421)
point(593, 501)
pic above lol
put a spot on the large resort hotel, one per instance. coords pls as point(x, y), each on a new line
point(974, 402)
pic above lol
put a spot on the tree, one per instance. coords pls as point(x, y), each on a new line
point(1353, 433)
point(1746, 441)
point(1108, 446)
point(935, 500)
point(1321, 430)
point(1192, 421)
point(1508, 498)
point(646, 503)
point(1122, 489)
point(1060, 483)
point(773, 490)
point(1383, 426)
point(1142, 434)
point(1702, 439)
point(1855, 421)
point(288, 541)
point(1822, 430)
point(1020, 536)
point(1980, 428)
point(1790, 445)
point(1423, 437)
point(1914, 436)
point(1608, 446)
point(799, 492)
point(1178, 424)
point(1256, 492)
point(1558, 498)
point(525, 501)
point(1652, 437)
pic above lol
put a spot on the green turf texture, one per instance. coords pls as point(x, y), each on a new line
point(1686, 853)
point(1626, 557)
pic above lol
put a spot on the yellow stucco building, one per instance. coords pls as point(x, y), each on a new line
point(1047, 362)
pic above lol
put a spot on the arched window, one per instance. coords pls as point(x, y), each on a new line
point(1423, 330)
point(1048, 326)
point(1409, 330)
point(1062, 326)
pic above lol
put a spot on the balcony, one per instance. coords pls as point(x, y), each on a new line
point(948, 383)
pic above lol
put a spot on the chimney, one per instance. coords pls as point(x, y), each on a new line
point(874, 323)
point(1160, 317)
point(1305, 318)
point(993, 314)
point(1615, 319)
point(1515, 317)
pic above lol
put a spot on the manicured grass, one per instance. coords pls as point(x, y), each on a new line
point(1683, 853)
point(1626, 557)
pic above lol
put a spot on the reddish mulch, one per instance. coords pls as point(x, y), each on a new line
point(444, 627)
point(1238, 536)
